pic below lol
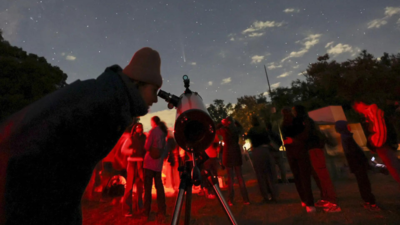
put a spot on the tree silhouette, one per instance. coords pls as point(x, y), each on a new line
point(24, 78)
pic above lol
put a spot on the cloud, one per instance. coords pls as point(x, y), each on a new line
point(329, 44)
point(273, 65)
point(342, 48)
point(226, 80)
point(284, 74)
point(307, 43)
point(210, 83)
point(376, 23)
point(256, 59)
point(256, 34)
point(291, 10)
point(389, 12)
point(193, 63)
point(70, 58)
point(296, 66)
point(260, 25)
point(275, 85)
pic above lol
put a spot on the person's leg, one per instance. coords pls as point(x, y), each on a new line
point(318, 183)
point(139, 183)
point(318, 162)
point(391, 161)
point(280, 162)
point(231, 192)
point(364, 186)
point(260, 169)
point(148, 183)
point(242, 184)
point(162, 208)
point(294, 167)
point(271, 176)
point(305, 177)
point(127, 198)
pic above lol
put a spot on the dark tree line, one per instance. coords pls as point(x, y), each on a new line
point(327, 82)
point(24, 78)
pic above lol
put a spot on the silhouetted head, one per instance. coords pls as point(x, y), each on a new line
point(341, 126)
point(299, 111)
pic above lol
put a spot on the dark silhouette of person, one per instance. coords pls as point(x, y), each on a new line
point(49, 149)
point(232, 158)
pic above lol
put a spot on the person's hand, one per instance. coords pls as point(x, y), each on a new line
point(288, 141)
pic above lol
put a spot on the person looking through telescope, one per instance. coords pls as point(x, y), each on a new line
point(49, 149)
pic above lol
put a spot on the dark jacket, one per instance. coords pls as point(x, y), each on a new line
point(311, 130)
point(258, 136)
point(138, 141)
point(354, 154)
point(231, 155)
point(51, 147)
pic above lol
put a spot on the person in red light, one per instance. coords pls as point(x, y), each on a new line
point(49, 149)
point(134, 149)
point(381, 136)
point(232, 158)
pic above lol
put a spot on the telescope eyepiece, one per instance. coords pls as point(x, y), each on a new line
point(171, 99)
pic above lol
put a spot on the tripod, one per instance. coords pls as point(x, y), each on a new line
point(191, 175)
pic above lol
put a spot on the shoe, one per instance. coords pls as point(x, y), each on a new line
point(230, 203)
point(311, 209)
point(210, 196)
point(201, 192)
point(322, 204)
point(303, 204)
point(333, 208)
point(246, 203)
point(371, 207)
point(128, 215)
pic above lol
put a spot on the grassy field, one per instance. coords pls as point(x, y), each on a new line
point(287, 211)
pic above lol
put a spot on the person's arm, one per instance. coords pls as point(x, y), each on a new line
point(125, 149)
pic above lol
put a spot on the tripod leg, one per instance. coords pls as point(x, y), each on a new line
point(188, 204)
point(222, 200)
point(178, 206)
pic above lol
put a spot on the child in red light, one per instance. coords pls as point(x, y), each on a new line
point(358, 164)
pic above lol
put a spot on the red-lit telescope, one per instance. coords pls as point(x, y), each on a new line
point(194, 129)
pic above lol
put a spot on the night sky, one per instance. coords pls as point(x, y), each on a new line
point(221, 45)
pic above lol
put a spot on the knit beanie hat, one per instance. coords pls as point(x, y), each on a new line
point(145, 66)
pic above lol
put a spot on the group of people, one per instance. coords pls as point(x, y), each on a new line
point(304, 145)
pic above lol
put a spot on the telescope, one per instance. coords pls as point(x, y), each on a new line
point(194, 130)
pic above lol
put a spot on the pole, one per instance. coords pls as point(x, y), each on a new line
point(269, 87)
